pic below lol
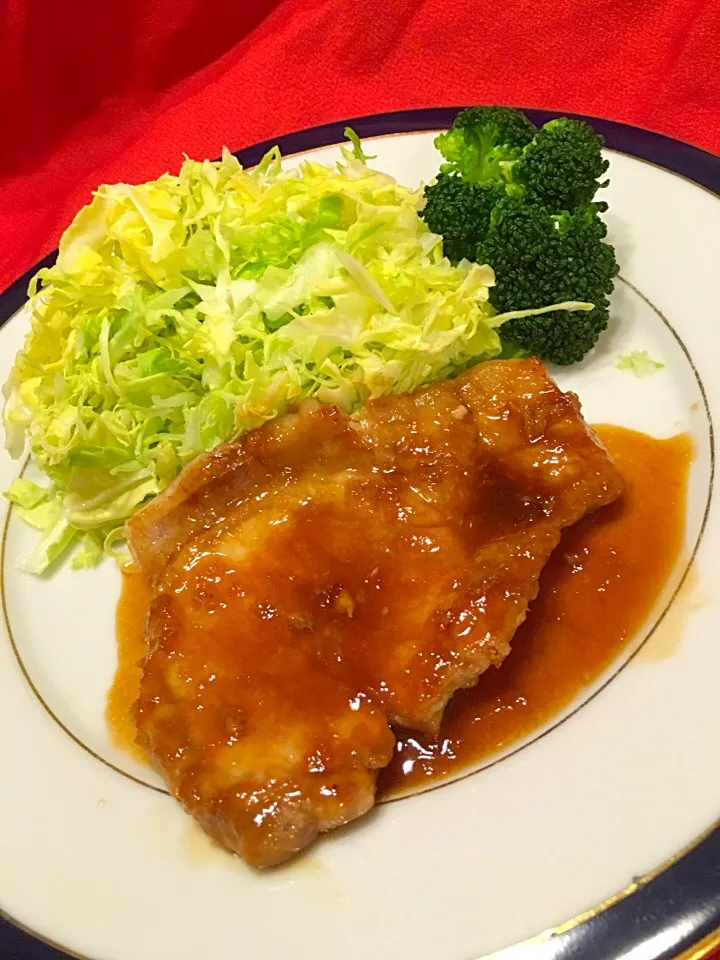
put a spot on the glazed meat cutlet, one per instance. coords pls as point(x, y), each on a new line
point(325, 577)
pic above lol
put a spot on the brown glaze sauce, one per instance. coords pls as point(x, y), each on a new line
point(595, 593)
point(130, 616)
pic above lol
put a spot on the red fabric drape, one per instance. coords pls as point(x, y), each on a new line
point(92, 92)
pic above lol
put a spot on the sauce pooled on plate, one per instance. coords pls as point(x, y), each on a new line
point(596, 591)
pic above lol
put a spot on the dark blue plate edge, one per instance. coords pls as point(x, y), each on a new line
point(672, 912)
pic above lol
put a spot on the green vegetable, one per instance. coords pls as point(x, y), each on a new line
point(185, 311)
point(541, 259)
point(41, 507)
point(483, 141)
point(521, 201)
point(460, 211)
point(640, 363)
point(561, 167)
point(358, 151)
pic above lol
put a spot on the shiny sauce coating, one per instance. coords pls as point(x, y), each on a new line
point(596, 592)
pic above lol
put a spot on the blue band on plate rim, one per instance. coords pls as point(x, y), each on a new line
point(675, 910)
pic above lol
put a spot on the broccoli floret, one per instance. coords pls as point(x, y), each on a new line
point(521, 200)
point(540, 259)
point(561, 337)
point(460, 212)
point(482, 139)
point(561, 167)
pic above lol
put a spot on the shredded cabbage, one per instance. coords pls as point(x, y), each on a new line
point(640, 363)
point(187, 310)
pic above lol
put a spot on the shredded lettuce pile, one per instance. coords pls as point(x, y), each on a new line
point(185, 311)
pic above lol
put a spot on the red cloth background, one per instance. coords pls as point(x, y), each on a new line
point(93, 91)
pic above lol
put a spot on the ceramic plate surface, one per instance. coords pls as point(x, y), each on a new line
point(97, 859)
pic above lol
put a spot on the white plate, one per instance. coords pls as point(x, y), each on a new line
point(110, 868)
